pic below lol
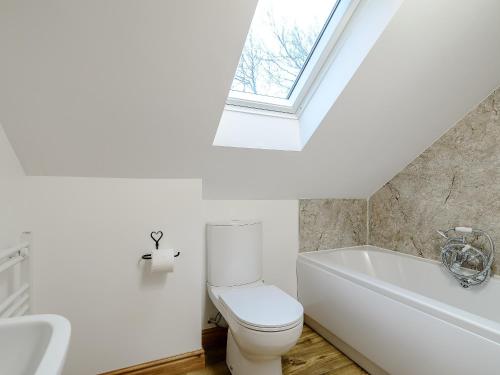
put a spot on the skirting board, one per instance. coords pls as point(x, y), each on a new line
point(345, 348)
point(176, 365)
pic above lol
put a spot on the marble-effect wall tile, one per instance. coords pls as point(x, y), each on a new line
point(454, 182)
point(332, 223)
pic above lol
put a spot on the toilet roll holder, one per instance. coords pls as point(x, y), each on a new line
point(156, 236)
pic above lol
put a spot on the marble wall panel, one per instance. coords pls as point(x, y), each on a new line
point(332, 223)
point(454, 182)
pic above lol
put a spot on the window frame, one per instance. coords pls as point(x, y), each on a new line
point(309, 76)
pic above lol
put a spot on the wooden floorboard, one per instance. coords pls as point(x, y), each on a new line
point(312, 355)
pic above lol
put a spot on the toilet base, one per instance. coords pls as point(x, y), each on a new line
point(238, 364)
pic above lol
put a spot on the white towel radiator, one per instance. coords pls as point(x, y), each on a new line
point(18, 302)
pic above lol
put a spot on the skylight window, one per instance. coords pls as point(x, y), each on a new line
point(281, 52)
point(280, 100)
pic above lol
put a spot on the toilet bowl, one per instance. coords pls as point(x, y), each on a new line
point(264, 322)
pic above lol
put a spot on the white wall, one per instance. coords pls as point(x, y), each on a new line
point(280, 220)
point(11, 194)
point(11, 213)
point(88, 236)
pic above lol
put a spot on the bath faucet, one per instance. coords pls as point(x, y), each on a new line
point(465, 262)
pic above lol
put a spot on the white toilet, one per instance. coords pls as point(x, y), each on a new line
point(264, 322)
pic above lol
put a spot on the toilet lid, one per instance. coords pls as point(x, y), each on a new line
point(263, 307)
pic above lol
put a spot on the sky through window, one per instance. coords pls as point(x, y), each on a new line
point(281, 39)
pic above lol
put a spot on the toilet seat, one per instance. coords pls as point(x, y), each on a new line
point(264, 308)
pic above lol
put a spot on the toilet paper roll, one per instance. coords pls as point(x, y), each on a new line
point(162, 260)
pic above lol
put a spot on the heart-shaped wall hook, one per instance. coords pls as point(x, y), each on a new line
point(156, 236)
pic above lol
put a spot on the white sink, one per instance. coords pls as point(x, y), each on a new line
point(33, 344)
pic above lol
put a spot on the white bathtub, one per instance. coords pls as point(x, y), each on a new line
point(399, 313)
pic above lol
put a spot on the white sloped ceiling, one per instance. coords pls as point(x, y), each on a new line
point(125, 88)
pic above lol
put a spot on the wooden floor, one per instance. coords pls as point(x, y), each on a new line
point(311, 356)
